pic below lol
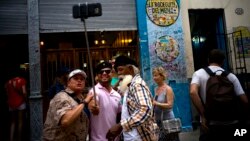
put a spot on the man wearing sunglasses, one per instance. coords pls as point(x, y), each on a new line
point(107, 107)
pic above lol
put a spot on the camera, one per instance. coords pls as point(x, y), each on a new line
point(87, 10)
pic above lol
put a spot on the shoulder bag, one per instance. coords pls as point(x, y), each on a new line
point(171, 125)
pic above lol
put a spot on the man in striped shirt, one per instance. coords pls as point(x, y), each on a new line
point(137, 111)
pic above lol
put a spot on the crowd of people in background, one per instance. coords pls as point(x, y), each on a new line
point(120, 107)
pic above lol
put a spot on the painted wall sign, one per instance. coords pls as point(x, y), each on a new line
point(162, 44)
point(165, 38)
point(162, 12)
point(167, 48)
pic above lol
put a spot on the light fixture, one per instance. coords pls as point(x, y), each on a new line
point(24, 66)
point(103, 41)
point(126, 40)
point(41, 43)
point(96, 42)
point(198, 39)
point(100, 40)
point(84, 65)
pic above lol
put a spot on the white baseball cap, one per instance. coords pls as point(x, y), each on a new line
point(77, 71)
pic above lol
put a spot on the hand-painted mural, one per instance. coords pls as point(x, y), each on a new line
point(162, 44)
point(166, 45)
point(162, 12)
point(167, 48)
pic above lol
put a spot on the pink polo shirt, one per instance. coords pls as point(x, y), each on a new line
point(109, 103)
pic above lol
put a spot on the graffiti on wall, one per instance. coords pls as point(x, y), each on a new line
point(165, 38)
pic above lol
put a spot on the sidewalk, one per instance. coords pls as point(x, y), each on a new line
point(190, 135)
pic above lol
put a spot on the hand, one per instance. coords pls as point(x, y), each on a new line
point(204, 124)
point(89, 97)
point(94, 107)
point(114, 132)
point(154, 103)
point(204, 127)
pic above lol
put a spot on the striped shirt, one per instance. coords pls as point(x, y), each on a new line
point(140, 108)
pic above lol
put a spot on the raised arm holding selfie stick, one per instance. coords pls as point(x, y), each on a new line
point(83, 11)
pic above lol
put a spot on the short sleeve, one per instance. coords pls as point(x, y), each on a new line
point(195, 79)
point(61, 104)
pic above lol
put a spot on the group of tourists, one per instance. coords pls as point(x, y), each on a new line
point(126, 109)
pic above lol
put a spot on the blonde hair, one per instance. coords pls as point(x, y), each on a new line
point(161, 72)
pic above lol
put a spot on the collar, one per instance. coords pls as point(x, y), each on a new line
point(135, 77)
point(69, 91)
point(99, 86)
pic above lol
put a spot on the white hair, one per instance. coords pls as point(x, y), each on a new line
point(135, 69)
point(123, 85)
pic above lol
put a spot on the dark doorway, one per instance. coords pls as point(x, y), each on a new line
point(207, 33)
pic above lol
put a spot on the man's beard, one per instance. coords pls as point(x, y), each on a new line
point(123, 85)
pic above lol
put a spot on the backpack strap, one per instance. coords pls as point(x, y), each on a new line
point(225, 73)
point(72, 95)
point(209, 71)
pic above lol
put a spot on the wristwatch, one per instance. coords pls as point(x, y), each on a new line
point(84, 102)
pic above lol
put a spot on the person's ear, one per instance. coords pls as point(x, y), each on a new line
point(131, 69)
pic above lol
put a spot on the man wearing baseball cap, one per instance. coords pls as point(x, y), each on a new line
point(66, 119)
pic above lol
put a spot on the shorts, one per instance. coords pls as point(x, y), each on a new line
point(21, 107)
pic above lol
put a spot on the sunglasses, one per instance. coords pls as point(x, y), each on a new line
point(106, 71)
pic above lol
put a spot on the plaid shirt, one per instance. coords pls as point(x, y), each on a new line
point(139, 102)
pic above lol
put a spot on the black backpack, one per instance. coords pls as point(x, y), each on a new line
point(220, 102)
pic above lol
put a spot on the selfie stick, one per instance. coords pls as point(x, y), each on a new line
point(90, 59)
point(84, 11)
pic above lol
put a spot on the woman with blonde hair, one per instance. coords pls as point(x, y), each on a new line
point(163, 103)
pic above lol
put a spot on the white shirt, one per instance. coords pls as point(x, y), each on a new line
point(200, 77)
point(132, 135)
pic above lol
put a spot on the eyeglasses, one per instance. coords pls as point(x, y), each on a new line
point(106, 71)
